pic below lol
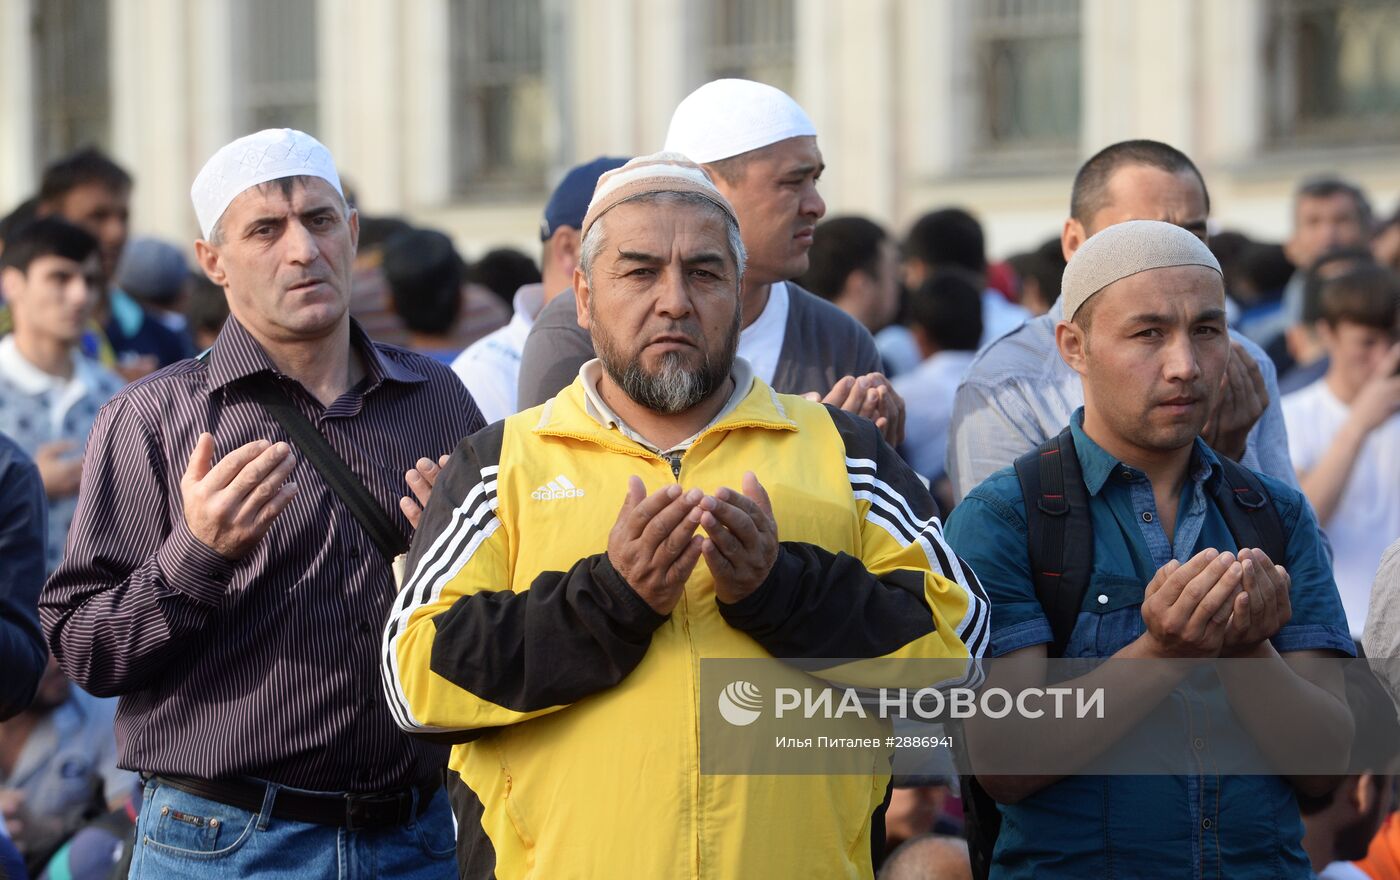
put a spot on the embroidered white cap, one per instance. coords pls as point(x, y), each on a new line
point(269, 154)
point(659, 172)
point(726, 117)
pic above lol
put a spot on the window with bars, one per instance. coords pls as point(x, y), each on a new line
point(277, 82)
point(750, 39)
point(1333, 72)
point(500, 100)
point(1026, 63)
point(71, 78)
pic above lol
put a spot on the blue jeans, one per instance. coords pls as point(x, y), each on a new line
point(183, 835)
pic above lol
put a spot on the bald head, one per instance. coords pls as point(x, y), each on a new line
point(929, 857)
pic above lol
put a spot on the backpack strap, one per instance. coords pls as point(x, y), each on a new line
point(1060, 541)
point(1249, 512)
point(1059, 532)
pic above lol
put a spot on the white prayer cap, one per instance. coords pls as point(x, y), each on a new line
point(727, 117)
point(1125, 249)
point(270, 154)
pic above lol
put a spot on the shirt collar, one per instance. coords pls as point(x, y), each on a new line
point(235, 355)
point(528, 301)
point(1097, 465)
point(592, 371)
point(29, 379)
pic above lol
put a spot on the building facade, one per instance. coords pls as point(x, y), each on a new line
point(460, 114)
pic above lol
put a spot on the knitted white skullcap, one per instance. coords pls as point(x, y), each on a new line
point(269, 154)
point(1125, 249)
point(659, 172)
point(727, 117)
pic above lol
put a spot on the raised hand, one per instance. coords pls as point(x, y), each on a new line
point(1187, 606)
point(870, 396)
point(60, 471)
point(420, 482)
point(1263, 606)
point(742, 542)
point(653, 544)
point(1242, 399)
point(1379, 398)
point(229, 506)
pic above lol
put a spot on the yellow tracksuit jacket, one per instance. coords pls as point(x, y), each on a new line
point(514, 631)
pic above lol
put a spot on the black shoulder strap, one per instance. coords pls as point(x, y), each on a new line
point(1059, 534)
point(1060, 541)
point(337, 474)
point(1249, 511)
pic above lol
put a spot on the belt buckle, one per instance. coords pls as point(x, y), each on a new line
point(364, 812)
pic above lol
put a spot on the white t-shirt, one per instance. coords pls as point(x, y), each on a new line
point(1367, 518)
point(761, 342)
point(490, 367)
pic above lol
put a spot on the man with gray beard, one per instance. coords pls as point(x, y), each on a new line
point(577, 558)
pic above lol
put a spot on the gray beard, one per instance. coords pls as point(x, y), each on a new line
point(673, 388)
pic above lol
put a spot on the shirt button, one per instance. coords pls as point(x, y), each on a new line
point(1103, 599)
point(1207, 824)
point(1147, 516)
point(1198, 744)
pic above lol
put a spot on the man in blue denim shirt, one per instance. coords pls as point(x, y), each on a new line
point(1167, 582)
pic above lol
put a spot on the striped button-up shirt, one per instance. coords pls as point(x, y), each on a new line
point(267, 666)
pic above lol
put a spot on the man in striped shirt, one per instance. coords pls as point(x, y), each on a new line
point(217, 583)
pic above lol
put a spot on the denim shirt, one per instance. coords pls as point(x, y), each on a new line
point(1144, 826)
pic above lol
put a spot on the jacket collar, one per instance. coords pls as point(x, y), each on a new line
point(568, 415)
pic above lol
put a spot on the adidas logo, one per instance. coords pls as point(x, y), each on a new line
point(557, 489)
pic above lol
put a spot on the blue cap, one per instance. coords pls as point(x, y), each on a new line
point(569, 202)
point(152, 270)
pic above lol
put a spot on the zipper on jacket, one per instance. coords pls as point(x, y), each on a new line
point(675, 459)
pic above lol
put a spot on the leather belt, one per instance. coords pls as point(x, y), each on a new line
point(354, 812)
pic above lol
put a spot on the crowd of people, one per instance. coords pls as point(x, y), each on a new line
point(296, 578)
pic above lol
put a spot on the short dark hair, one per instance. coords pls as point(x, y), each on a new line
point(1326, 186)
point(86, 166)
point(207, 306)
point(503, 271)
point(948, 237)
point(1334, 263)
point(842, 246)
point(1046, 265)
point(1265, 266)
point(425, 277)
point(948, 308)
point(1368, 295)
point(1090, 188)
point(47, 237)
point(375, 231)
point(23, 214)
point(732, 169)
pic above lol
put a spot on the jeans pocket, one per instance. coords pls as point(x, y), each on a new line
point(185, 825)
point(435, 831)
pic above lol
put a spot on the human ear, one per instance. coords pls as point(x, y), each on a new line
point(1073, 342)
point(11, 280)
point(582, 296)
point(1071, 237)
point(210, 261)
